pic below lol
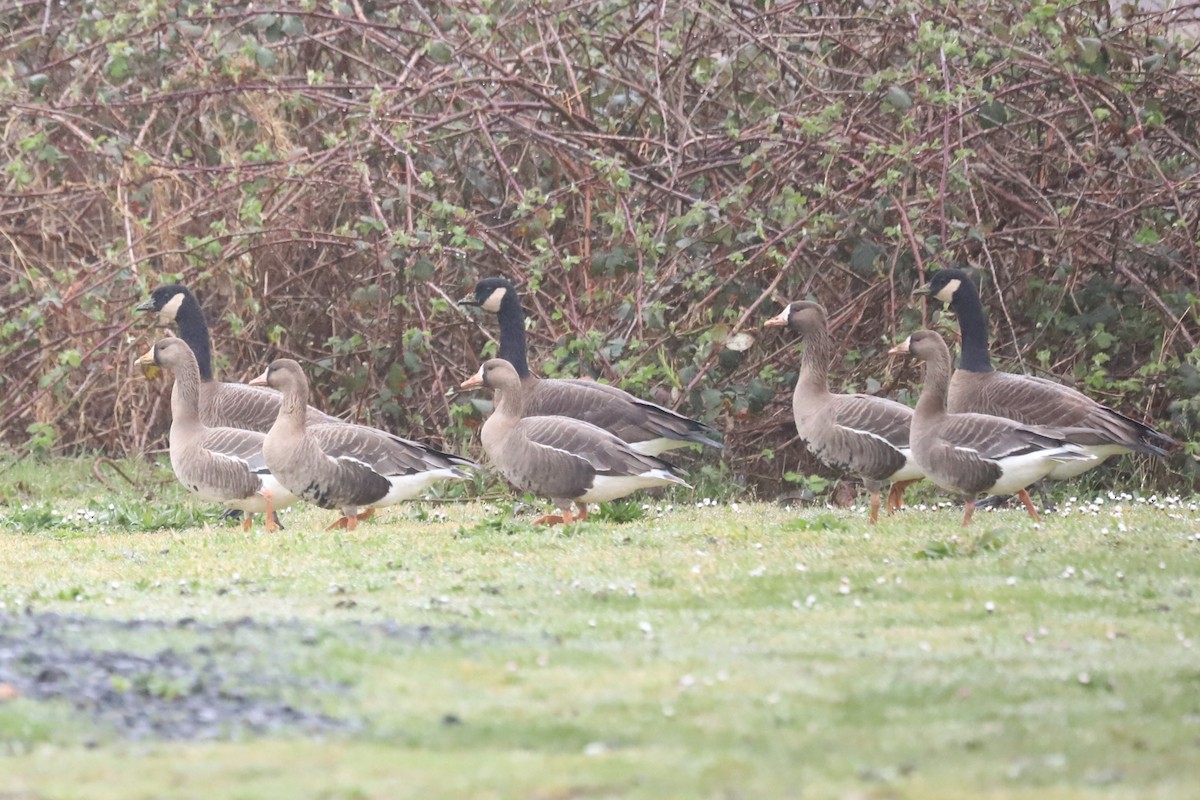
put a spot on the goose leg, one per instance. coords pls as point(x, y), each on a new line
point(875, 506)
point(370, 512)
point(896, 494)
point(1024, 495)
point(246, 520)
point(969, 512)
point(549, 519)
point(269, 518)
point(893, 500)
point(345, 523)
point(582, 515)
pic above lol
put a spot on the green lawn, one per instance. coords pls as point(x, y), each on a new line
point(729, 651)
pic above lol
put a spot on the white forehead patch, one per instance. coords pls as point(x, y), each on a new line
point(492, 304)
point(785, 315)
point(170, 309)
point(947, 292)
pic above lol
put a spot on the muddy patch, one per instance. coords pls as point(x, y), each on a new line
point(185, 680)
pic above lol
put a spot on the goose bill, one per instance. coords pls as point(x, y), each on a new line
point(900, 349)
point(778, 320)
point(261, 380)
point(473, 382)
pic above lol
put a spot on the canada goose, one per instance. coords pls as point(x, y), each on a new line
point(221, 465)
point(973, 453)
point(567, 460)
point(231, 405)
point(647, 427)
point(977, 387)
point(858, 433)
point(342, 466)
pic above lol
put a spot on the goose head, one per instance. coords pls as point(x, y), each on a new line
point(496, 374)
point(166, 301)
point(284, 374)
point(489, 294)
point(169, 353)
point(802, 316)
point(944, 284)
point(923, 346)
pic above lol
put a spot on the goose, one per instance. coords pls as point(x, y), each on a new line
point(973, 453)
point(859, 433)
point(567, 460)
point(977, 387)
point(220, 465)
point(343, 466)
point(647, 427)
point(230, 405)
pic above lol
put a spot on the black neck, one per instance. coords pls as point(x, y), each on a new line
point(975, 357)
point(512, 333)
point(194, 330)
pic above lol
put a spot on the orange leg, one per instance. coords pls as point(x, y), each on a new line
point(582, 515)
point(248, 518)
point(370, 512)
point(270, 520)
point(1024, 495)
point(875, 506)
point(550, 519)
point(969, 513)
point(345, 523)
point(896, 494)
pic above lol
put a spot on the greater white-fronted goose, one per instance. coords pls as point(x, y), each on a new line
point(231, 405)
point(858, 433)
point(345, 467)
point(221, 465)
point(974, 453)
point(647, 427)
point(567, 460)
point(977, 387)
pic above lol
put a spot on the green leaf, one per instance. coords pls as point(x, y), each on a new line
point(292, 25)
point(118, 68)
point(439, 52)
point(899, 98)
point(1089, 49)
point(1146, 236)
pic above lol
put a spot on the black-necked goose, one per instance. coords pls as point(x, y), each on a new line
point(861, 434)
point(222, 404)
point(975, 453)
point(647, 427)
point(221, 465)
point(345, 467)
point(977, 387)
point(567, 460)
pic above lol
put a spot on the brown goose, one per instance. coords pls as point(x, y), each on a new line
point(647, 427)
point(978, 388)
point(346, 467)
point(231, 405)
point(861, 434)
point(564, 459)
point(974, 453)
point(221, 465)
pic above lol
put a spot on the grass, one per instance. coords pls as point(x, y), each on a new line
point(699, 651)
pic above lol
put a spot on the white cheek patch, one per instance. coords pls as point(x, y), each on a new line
point(947, 292)
point(170, 310)
point(492, 304)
